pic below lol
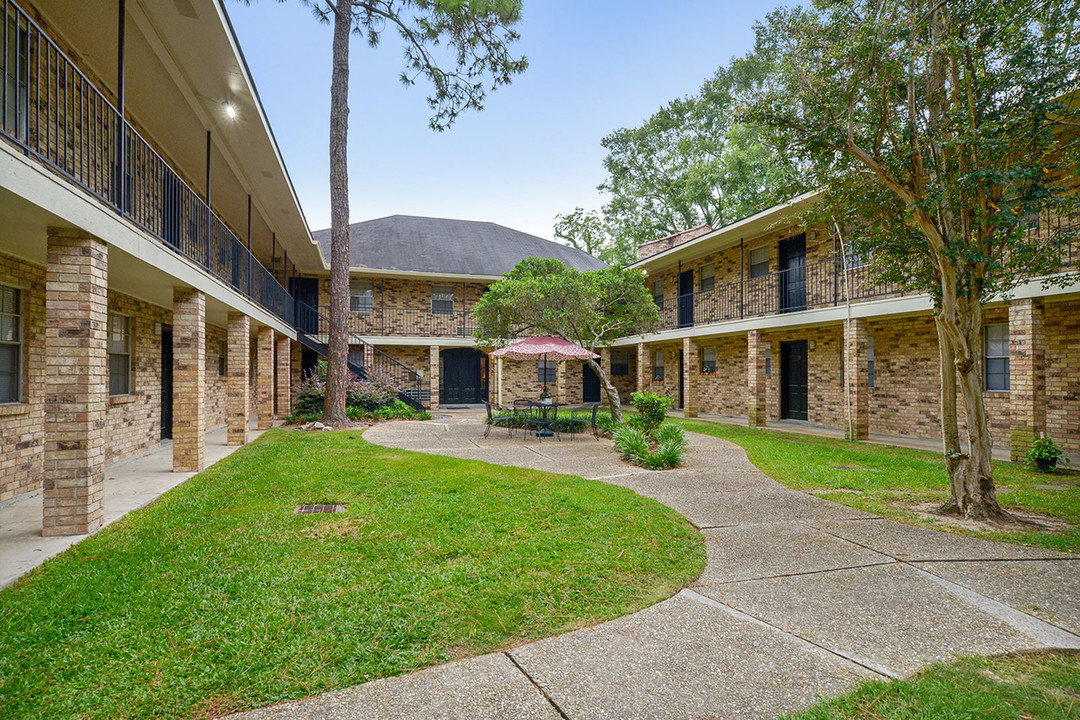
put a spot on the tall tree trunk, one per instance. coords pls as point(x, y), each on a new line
point(337, 371)
point(614, 402)
point(950, 431)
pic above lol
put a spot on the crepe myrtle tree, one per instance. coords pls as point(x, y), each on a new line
point(463, 48)
point(589, 308)
point(938, 132)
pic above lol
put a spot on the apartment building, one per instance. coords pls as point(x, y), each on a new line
point(147, 228)
point(769, 321)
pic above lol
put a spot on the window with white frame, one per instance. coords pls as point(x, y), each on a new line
point(658, 292)
point(658, 366)
point(119, 354)
point(870, 361)
point(708, 361)
point(620, 363)
point(11, 347)
point(708, 277)
point(996, 356)
point(442, 299)
point(545, 371)
point(759, 262)
point(361, 296)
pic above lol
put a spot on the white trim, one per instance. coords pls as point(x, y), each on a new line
point(458, 277)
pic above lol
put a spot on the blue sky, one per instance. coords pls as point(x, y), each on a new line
point(534, 152)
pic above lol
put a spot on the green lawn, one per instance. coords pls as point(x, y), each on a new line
point(218, 598)
point(885, 480)
point(1036, 686)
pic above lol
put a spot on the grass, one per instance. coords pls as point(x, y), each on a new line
point(218, 598)
point(1033, 686)
point(887, 480)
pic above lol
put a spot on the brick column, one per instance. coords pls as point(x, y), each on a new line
point(561, 371)
point(369, 355)
point(296, 369)
point(76, 382)
point(644, 367)
point(1027, 376)
point(756, 408)
point(690, 378)
point(282, 393)
point(857, 380)
point(433, 376)
point(189, 379)
point(264, 387)
point(239, 362)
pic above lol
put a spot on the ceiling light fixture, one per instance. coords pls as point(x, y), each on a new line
point(230, 111)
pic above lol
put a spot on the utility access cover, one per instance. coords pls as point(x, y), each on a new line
point(318, 509)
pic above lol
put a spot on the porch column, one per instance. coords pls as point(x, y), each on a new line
point(1027, 376)
point(76, 382)
point(562, 369)
point(239, 364)
point(189, 379)
point(433, 376)
point(756, 407)
point(295, 371)
point(369, 355)
point(856, 380)
point(264, 385)
point(644, 367)
point(282, 394)
point(690, 378)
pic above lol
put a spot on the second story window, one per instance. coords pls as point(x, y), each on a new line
point(11, 352)
point(996, 357)
point(708, 361)
point(658, 367)
point(361, 296)
point(545, 371)
point(708, 277)
point(442, 300)
point(620, 364)
point(119, 354)
point(658, 292)
point(759, 262)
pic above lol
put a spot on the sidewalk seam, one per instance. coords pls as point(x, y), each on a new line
point(541, 690)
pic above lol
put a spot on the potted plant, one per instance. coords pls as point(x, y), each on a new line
point(1044, 454)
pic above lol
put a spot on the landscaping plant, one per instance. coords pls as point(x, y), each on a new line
point(1044, 454)
point(645, 440)
point(373, 397)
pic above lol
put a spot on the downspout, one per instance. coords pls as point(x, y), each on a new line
point(847, 324)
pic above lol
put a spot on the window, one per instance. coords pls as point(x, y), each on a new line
point(870, 361)
point(996, 356)
point(545, 371)
point(119, 354)
point(759, 262)
point(708, 361)
point(620, 363)
point(362, 296)
point(223, 358)
point(768, 360)
point(442, 300)
point(10, 345)
point(708, 277)
point(356, 355)
point(858, 258)
point(658, 292)
point(658, 366)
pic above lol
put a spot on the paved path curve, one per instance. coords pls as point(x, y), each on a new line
point(800, 598)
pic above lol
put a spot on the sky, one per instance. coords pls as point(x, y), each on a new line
point(532, 153)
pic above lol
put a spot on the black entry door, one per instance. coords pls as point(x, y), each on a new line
point(166, 381)
point(463, 378)
point(792, 256)
point(793, 380)
point(686, 298)
point(306, 293)
point(590, 384)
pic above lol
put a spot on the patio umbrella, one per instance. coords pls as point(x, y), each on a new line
point(547, 346)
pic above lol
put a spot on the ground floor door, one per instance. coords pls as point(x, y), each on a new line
point(590, 384)
point(793, 380)
point(166, 382)
point(464, 377)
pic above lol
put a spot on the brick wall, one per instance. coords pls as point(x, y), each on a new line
point(217, 384)
point(625, 384)
point(1062, 321)
point(666, 243)
point(725, 392)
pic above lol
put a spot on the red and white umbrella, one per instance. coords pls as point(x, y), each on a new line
point(547, 346)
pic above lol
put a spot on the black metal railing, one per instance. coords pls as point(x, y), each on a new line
point(312, 330)
point(51, 110)
point(412, 322)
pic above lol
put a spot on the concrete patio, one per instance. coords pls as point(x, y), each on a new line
point(801, 598)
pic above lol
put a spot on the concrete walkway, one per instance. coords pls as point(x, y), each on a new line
point(129, 485)
point(801, 598)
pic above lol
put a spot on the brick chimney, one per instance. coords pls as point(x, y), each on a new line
point(653, 247)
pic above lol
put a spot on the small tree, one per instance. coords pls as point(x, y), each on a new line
point(590, 309)
point(938, 130)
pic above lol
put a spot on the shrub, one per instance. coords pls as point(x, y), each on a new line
point(631, 442)
point(652, 409)
point(371, 394)
point(659, 449)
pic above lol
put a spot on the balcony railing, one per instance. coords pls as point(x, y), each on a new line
point(51, 110)
point(381, 320)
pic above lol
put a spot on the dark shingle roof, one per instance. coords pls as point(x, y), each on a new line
point(436, 245)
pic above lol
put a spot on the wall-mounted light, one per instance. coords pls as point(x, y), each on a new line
point(230, 111)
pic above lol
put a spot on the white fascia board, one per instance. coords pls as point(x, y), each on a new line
point(402, 340)
point(74, 206)
point(417, 275)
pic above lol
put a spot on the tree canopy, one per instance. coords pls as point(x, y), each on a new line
point(938, 132)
